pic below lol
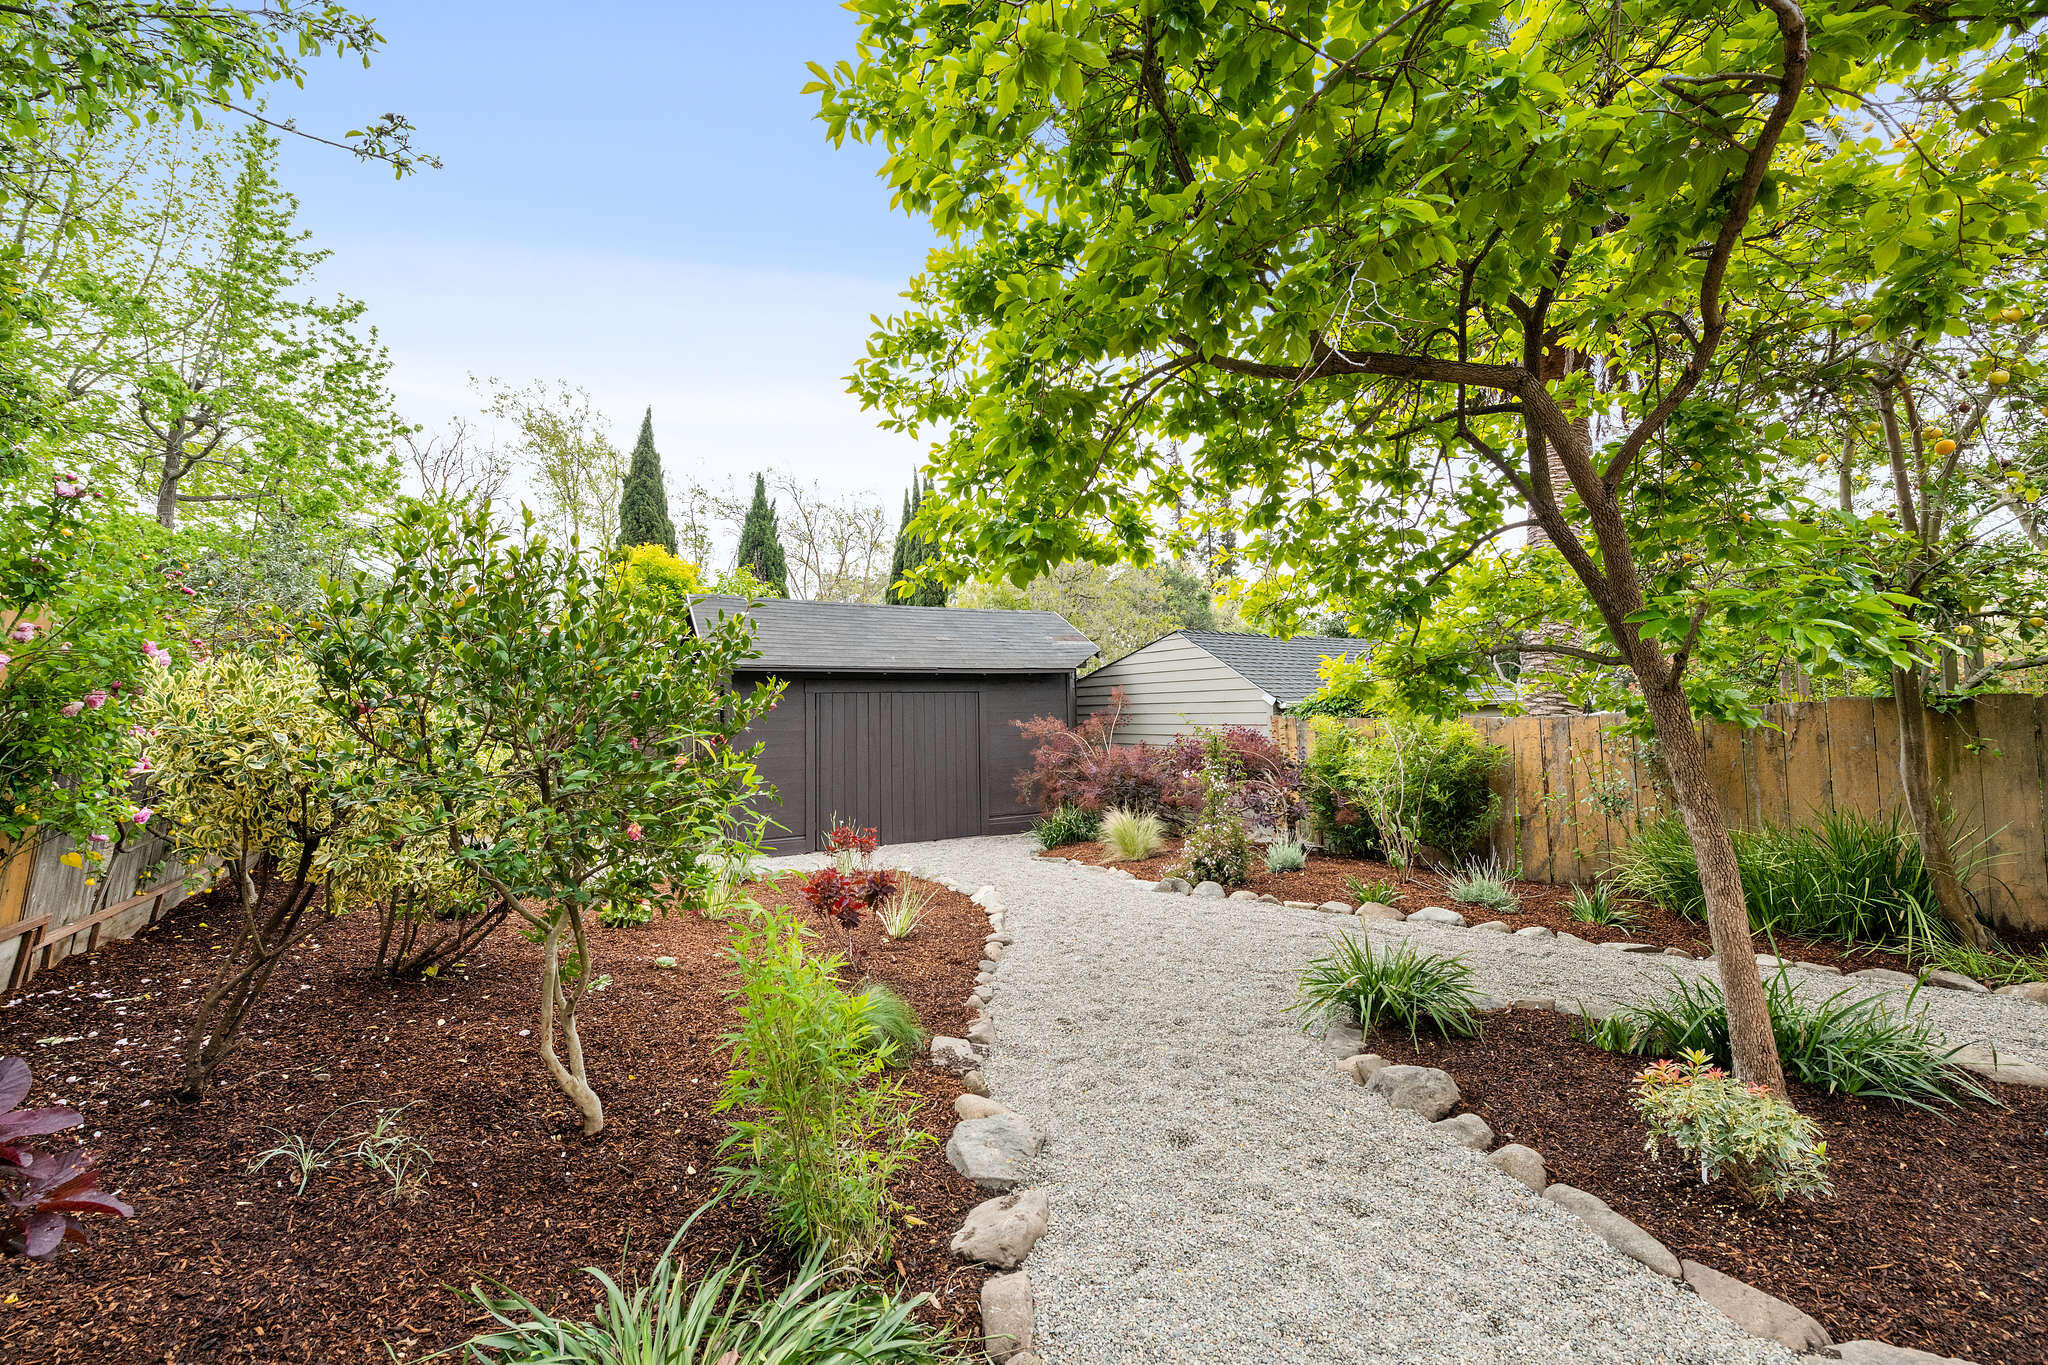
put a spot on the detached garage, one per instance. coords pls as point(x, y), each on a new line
point(899, 717)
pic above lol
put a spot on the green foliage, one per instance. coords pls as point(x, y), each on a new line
point(643, 498)
point(1845, 877)
point(1286, 855)
point(906, 586)
point(88, 612)
point(903, 911)
point(1120, 608)
point(626, 914)
point(1132, 835)
point(888, 1024)
point(819, 1133)
point(1994, 966)
point(760, 549)
point(1411, 989)
point(1482, 882)
point(1378, 891)
point(1215, 847)
point(725, 1316)
point(1842, 1044)
point(1762, 1146)
point(1069, 824)
point(1598, 904)
point(659, 577)
point(1385, 790)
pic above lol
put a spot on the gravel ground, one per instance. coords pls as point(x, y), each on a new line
point(1219, 1195)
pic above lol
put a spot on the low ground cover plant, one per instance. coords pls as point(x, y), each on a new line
point(1763, 1147)
point(1409, 989)
point(725, 1317)
point(1067, 824)
point(1597, 904)
point(817, 1130)
point(1286, 855)
point(43, 1192)
point(1132, 836)
point(1482, 882)
point(1841, 1044)
point(1387, 790)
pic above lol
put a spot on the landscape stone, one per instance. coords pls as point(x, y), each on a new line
point(1002, 1231)
point(1883, 1353)
point(982, 1031)
point(1422, 1090)
point(1824, 968)
point(1006, 1315)
point(1244, 895)
point(1534, 931)
point(1299, 905)
point(973, 1083)
point(1625, 946)
point(1492, 926)
point(978, 1107)
point(1885, 976)
point(1570, 938)
point(1361, 1068)
point(2005, 1070)
point(2036, 991)
point(1171, 885)
point(1532, 1002)
point(988, 964)
point(993, 950)
point(1955, 981)
point(1490, 1004)
point(1335, 907)
point(1467, 1130)
point(1756, 1312)
point(995, 1152)
point(1209, 891)
point(1344, 1039)
point(1437, 914)
point(952, 1054)
point(1522, 1163)
point(1613, 1229)
point(1375, 910)
point(1678, 952)
point(1268, 898)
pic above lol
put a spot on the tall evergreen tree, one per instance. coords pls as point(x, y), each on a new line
point(911, 551)
point(761, 544)
point(643, 500)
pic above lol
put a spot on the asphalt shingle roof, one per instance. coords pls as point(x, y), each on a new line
point(1287, 670)
point(847, 637)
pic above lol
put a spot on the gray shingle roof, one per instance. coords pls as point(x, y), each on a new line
point(1287, 670)
point(846, 637)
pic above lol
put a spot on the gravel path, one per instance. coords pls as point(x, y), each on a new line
point(1220, 1195)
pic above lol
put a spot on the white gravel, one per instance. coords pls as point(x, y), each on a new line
point(1219, 1195)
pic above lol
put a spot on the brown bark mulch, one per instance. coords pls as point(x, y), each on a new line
point(1325, 878)
point(1935, 1237)
point(222, 1265)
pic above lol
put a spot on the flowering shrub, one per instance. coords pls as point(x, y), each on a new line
point(1764, 1147)
point(1216, 847)
point(87, 614)
point(42, 1193)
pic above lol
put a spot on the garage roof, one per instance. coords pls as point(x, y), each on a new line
point(849, 637)
point(1289, 671)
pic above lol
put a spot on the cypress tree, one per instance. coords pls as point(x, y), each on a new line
point(643, 501)
point(911, 551)
point(760, 543)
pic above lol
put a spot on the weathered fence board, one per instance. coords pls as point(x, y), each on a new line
point(1575, 788)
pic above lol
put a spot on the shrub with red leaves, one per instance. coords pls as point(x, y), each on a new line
point(849, 839)
point(42, 1193)
point(831, 892)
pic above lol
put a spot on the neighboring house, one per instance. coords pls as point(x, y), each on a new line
point(1195, 679)
point(899, 717)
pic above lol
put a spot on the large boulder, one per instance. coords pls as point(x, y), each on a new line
point(1006, 1315)
point(1208, 891)
point(994, 1152)
point(1989, 1064)
point(1613, 1229)
point(1001, 1232)
point(2036, 991)
point(1756, 1312)
point(1420, 1090)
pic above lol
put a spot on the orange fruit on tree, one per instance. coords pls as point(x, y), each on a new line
point(1944, 447)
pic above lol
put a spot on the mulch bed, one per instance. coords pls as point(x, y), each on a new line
point(222, 1265)
point(1934, 1239)
point(1325, 879)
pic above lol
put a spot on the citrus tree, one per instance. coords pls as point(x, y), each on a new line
point(533, 682)
point(1382, 283)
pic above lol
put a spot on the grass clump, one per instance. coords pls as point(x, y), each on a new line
point(1067, 825)
point(726, 1315)
point(1410, 989)
point(1378, 891)
point(1286, 855)
point(1598, 904)
point(1995, 966)
point(888, 1024)
point(1132, 835)
point(1482, 882)
point(1843, 1045)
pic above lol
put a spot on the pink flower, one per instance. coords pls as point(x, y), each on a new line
point(141, 815)
point(635, 743)
point(64, 648)
point(633, 831)
point(73, 708)
point(156, 654)
point(96, 698)
point(139, 767)
point(23, 631)
point(69, 485)
point(6, 659)
point(189, 592)
point(97, 838)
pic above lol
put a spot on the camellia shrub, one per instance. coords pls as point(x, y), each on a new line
point(1384, 792)
point(1732, 1130)
point(87, 614)
point(524, 679)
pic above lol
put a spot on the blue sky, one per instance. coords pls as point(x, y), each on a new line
point(635, 199)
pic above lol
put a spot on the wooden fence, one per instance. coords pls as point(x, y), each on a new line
point(47, 912)
point(1575, 788)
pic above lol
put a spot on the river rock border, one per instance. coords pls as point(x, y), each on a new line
point(995, 1147)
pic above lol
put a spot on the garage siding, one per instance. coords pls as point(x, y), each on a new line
point(1172, 687)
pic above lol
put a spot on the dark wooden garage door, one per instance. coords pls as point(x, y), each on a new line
point(907, 763)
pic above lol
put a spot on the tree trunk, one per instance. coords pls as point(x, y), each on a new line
point(172, 471)
point(1916, 779)
point(263, 940)
point(1750, 1039)
point(400, 953)
point(571, 1078)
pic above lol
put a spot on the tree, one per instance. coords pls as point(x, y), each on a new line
point(760, 551)
point(562, 439)
point(1388, 263)
point(643, 498)
point(1118, 608)
point(907, 587)
point(457, 464)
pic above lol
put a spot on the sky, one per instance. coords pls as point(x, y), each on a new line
point(636, 199)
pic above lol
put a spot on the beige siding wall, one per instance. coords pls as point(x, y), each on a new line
point(1170, 688)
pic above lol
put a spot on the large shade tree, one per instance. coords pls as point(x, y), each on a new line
point(1394, 279)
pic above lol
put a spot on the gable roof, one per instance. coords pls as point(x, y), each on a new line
point(852, 637)
point(1289, 671)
